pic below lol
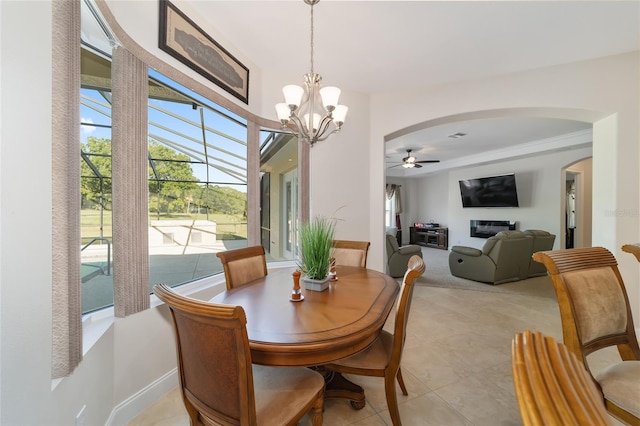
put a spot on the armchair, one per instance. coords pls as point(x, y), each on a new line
point(398, 257)
point(505, 257)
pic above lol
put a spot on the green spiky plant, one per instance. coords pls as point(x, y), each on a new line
point(316, 238)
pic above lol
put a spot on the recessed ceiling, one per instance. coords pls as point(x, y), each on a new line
point(483, 136)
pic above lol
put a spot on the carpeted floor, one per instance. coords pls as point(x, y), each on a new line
point(437, 274)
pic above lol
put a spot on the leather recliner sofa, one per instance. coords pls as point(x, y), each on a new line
point(504, 257)
point(542, 240)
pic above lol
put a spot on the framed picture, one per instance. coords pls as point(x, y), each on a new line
point(184, 40)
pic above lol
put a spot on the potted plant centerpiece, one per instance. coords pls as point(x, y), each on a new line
point(316, 238)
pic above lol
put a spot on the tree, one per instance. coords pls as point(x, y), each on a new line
point(171, 175)
point(95, 170)
point(171, 179)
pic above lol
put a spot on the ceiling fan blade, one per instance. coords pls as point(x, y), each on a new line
point(417, 166)
point(428, 161)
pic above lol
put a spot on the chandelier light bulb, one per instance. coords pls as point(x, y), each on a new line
point(339, 114)
point(330, 96)
point(292, 95)
point(283, 111)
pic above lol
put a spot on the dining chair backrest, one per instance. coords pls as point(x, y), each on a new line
point(595, 314)
point(552, 386)
point(351, 253)
point(214, 361)
point(415, 268)
point(243, 265)
point(219, 383)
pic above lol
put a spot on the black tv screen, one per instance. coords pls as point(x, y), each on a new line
point(493, 191)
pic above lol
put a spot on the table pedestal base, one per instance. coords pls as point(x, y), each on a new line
point(337, 386)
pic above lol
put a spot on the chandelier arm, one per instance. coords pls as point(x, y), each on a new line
point(297, 123)
point(320, 139)
point(324, 125)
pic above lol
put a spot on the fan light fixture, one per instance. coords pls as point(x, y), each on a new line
point(311, 112)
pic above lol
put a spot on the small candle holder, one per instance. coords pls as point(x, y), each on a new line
point(296, 293)
point(333, 276)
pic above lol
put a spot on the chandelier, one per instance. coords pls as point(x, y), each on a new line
point(311, 112)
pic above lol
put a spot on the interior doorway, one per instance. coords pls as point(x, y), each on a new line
point(570, 210)
point(577, 205)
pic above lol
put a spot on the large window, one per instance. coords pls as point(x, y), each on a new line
point(197, 177)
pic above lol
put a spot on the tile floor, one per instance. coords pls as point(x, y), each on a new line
point(456, 362)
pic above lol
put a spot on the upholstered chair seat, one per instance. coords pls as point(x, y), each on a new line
point(620, 384)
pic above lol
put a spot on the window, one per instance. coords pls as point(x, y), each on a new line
point(390, 211)
point(197, 177)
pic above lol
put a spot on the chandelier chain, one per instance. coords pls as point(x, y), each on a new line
point(312, 38)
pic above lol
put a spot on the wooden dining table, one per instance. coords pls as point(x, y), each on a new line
point(324, 327)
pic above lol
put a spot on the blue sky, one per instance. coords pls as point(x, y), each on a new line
point(188, 135)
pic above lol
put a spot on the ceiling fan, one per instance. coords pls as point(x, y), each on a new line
point(410, 161)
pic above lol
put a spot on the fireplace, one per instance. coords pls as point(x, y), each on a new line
point(489, 228)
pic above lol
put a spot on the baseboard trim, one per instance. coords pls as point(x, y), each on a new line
point(124, 412)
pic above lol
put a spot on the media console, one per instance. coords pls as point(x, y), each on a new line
point(430, 237)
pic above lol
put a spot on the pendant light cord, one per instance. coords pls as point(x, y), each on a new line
point(311, 38)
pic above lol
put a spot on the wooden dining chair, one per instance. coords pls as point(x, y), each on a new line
point(243, 265)
point(552, 386)
point(351, 253)
point(634, 249)
point(382, 357)
point(595, 314)
point(219, 384)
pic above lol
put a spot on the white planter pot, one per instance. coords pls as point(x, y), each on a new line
point(316, 285)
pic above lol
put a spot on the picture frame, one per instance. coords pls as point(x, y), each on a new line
point(184, 40)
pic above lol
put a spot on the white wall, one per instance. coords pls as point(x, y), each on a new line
point(340, 174)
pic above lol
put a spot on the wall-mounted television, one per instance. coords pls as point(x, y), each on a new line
point(492, 191)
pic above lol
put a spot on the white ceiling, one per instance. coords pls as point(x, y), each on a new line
point(383, 46)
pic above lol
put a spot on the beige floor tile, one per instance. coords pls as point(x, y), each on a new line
point(427, 410)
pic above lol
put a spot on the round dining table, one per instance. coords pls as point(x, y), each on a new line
point(324, 327)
